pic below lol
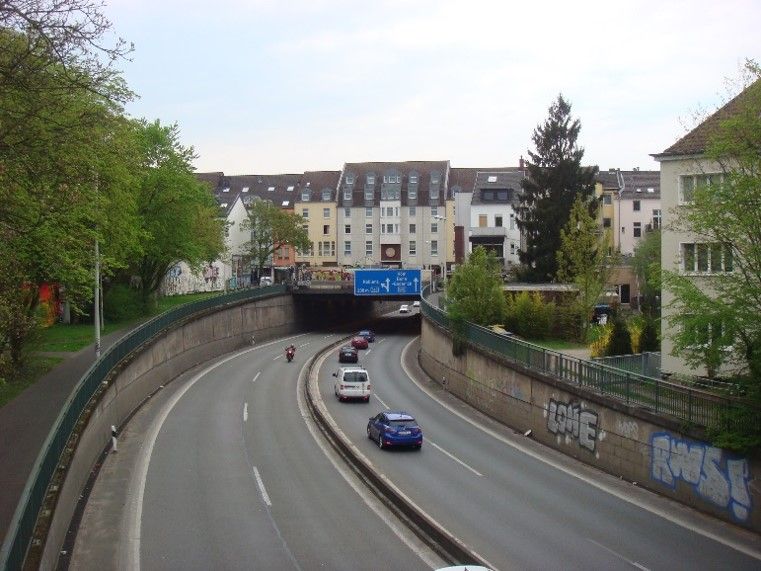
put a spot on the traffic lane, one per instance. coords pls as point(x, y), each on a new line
point(323, 519)
point(201, 509)
point(533, 497)
point(249, 421)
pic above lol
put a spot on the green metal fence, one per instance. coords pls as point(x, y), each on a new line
point(22, 525)
point(661, 397)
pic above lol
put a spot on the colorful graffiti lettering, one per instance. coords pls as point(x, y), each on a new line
point(698, 464)
point(566, 418)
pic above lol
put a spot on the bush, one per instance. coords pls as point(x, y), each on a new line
point(620, 339)
point(649, 338)
point(566, 322)
point(122, 303)
point(599, 339)
point(529, 316)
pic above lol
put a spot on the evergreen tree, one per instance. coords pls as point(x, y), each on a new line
point(620, 338)
point(555, 179)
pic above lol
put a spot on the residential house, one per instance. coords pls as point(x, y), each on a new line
point(461, 184)
point(493, 211)
point(316, 203)
point(683, 168)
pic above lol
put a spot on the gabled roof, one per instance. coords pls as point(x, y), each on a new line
point(696, 141)
point(463, 179)
point(265, 186)
point(504, 179)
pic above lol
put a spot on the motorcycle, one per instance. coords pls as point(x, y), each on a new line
point(289, 353)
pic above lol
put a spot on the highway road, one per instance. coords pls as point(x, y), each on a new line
point(223, 469)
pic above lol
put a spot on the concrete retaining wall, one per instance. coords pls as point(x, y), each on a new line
point(625, 441)
point(160, 361)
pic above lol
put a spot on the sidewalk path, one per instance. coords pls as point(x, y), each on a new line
point(27, 419)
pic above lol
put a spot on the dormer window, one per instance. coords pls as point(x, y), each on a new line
point(226, 189)
point(245, 189)
point(413, 179)
point(492, 178)
point(289, 189)
point(349, 178)
point(370, 179)
point(305, 196)
point(326, 195)
point(271, 189)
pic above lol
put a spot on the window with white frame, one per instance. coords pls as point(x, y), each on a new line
point(305, 196)
point(347, 194)
point(368, 248)
point(368, 228)
point(347, 228)
point(326, 212)
point(413, 211)
point(369, 212)
point(326, 195)
point(689, 182)
point(606, 199)
point(434, 227)
point(434, 192)
point(368, 195)
point(656, 218)
point(413, 248)
point(707, 258)
point(370, 179)
point(305, 213)
point(434, 247)
point(413, 228)
point(347, 247)
point(413, 179)
point(412, 193)
point(347, 212)
point(635, 205)
point(434, 210)
point(637, 229)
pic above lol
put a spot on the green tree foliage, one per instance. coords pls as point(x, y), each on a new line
point(178, 216)
point(649, 340)
point(60, 129)
point(716, 318)
point(555, 179)
point(583, 258)
point(647, 266)
point(474, 293)
point(271, 227)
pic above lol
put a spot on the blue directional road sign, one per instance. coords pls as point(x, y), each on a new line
point(387, 282)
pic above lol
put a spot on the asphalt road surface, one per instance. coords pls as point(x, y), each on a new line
point(224, 470)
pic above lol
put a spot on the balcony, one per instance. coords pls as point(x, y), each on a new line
point(488, 232)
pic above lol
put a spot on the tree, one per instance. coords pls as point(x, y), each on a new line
point(555, 179)
point(474, 293)
point(620, 338)
point(271, 227)
point(178, 216)
point(716, 318)
point(647, 266)
point(583, 258)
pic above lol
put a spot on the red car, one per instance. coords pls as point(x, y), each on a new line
point(359, 342)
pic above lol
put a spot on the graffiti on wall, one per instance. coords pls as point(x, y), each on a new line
point(569, 419)
point(723, 483)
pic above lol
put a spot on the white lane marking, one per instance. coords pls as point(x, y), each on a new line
point(276, 358)
point(367, 352)
point(131, 557)
point(615, 553)
point(256, 376)
point(245, 412)
point(381, 341)
point(381, 401)
point(453, 457)
point(686, 522)
point(262, 489)
point(304, 344)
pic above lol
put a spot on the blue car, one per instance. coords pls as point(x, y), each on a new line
point(394, 428)
point(367, 334)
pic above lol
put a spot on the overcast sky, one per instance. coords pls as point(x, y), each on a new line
point(261, 86)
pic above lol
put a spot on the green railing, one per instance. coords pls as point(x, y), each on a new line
point(22, 525)
point(693, 406)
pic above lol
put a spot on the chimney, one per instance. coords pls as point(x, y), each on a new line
point(520, 163)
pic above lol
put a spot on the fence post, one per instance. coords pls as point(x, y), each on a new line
point(657, 391)
point(689, 405)
point(628, 388)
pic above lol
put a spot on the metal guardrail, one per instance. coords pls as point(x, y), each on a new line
point(22, 525)
point(661, 397)
point(647, 363)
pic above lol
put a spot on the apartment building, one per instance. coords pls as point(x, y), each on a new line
point(316, 204)
point(395, 214)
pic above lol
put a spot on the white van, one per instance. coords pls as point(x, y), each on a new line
point(352, 383)
point(265, 281)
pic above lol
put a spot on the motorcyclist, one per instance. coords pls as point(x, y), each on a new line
point(290, 351)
